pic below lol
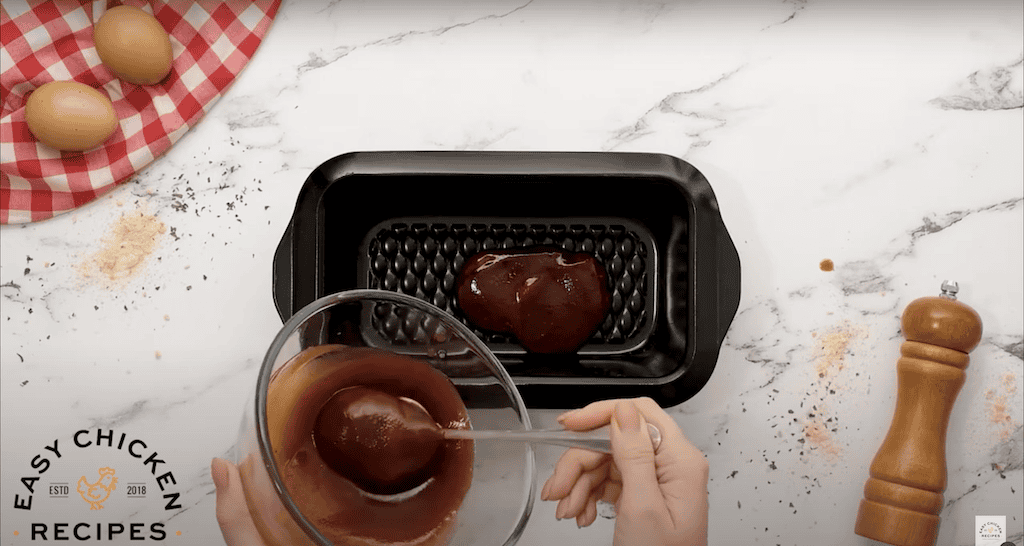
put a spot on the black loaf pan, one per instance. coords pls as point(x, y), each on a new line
point(408, 221)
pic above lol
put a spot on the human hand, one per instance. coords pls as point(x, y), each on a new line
point(232, 511)
point(661, 498)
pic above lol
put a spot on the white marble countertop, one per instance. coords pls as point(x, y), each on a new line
point(884, 136)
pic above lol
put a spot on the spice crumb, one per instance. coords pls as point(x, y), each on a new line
point(820, 437)
point(833, 345)
point(158, 355)
point(826, 265)
point(130, 241)
point(998, 400)
point(167, 317)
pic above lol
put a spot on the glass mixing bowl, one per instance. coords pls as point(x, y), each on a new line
point(500, 497)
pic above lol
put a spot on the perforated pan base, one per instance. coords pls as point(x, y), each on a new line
point(422, 257)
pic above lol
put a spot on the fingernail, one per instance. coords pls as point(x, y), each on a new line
point(559, 512)
point(561, 418)
point(219, 472)
point(627, 416)
point(544, 491)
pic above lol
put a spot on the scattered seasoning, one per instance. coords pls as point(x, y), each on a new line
point(826, 265)
point(126, 246)
point(829, 358)
point(820, 437)
point(833, 346)
point(998, 402)
point(158, 355)
point(167, 317)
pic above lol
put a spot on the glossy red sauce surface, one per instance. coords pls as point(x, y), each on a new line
point(334, 503)
point(551, 300)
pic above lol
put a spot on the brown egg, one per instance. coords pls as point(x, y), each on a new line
point(70, 116)
point(133, 45)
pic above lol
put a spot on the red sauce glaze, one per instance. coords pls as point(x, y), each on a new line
point(384, 444)
point(551, 300)
point(332, 501)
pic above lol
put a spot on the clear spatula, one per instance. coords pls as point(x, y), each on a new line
point(595, 440)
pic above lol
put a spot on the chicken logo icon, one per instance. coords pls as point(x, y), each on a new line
point(97, 493)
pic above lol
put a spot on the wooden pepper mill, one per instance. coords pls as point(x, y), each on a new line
point(903, 496)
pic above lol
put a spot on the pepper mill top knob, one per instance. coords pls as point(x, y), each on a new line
point(943, 321)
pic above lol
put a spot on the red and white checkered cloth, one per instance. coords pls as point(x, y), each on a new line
point(211, 42)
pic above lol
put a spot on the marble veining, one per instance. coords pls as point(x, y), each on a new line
point(797, 5)
point(317, 61)
point(996, 88)
point(698, 120)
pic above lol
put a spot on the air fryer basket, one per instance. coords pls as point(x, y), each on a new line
point(408, 221)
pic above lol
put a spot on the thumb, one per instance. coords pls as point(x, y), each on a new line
point(232, 511)
point(634, 457)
